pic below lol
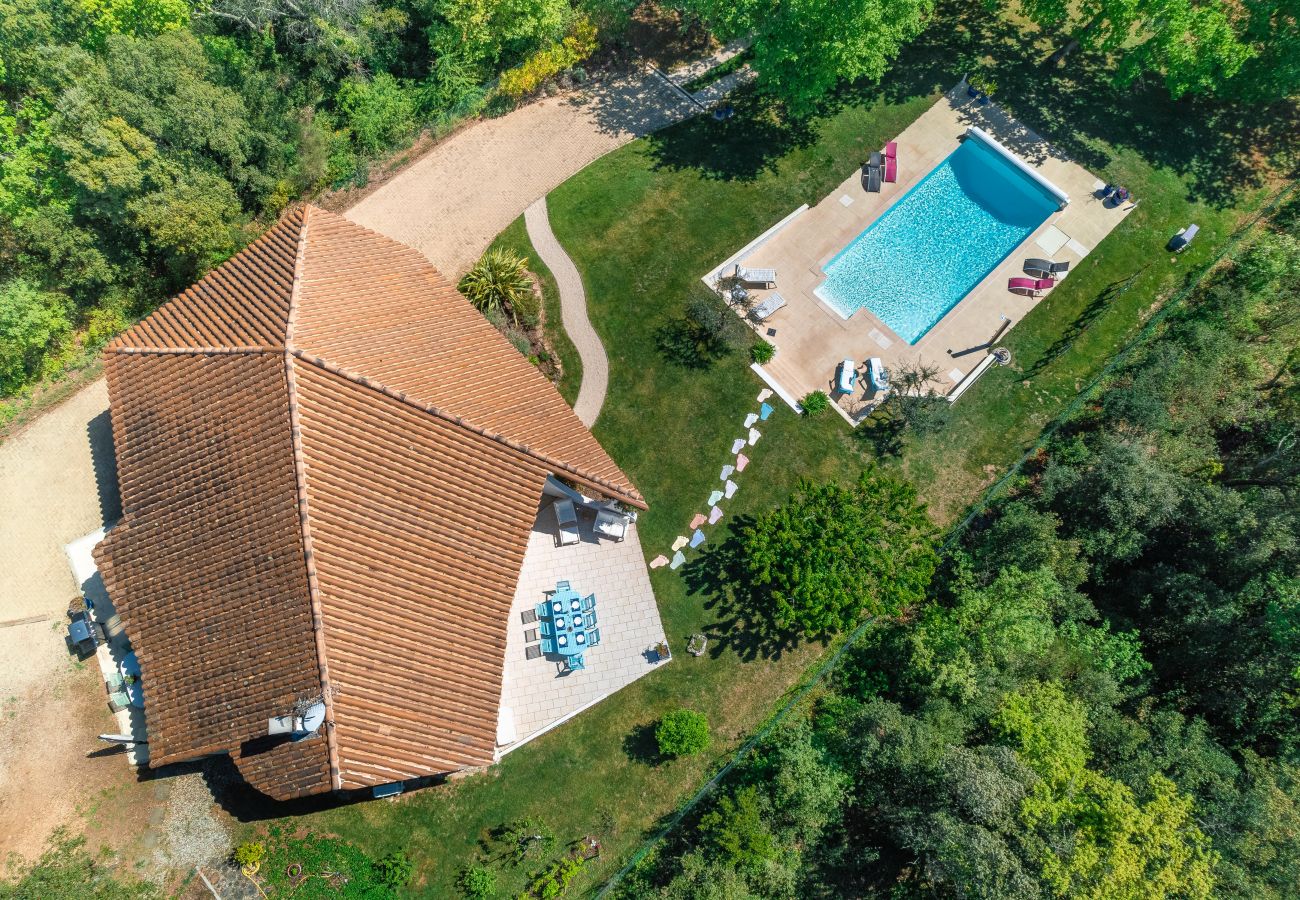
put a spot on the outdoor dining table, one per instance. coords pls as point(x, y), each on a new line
point(570, 623)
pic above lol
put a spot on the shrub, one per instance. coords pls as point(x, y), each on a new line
point(249, 855)
point(526, 78)
point(380, 112)
point(815, 403)
point(682, 733)
point(394, 870)
point(499, 283)
point(529, 838)
point(520, 341)
point(477, 882)
point(762, 352)
point(32, 323)
point(554, 880)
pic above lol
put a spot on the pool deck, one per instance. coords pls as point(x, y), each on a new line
point(811, 338)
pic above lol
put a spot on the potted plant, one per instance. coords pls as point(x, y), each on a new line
point(662, 651)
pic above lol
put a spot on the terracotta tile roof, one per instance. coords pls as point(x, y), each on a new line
point(328, 459)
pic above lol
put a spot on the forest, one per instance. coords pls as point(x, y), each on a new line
point(1097, 695)
point(142, 142)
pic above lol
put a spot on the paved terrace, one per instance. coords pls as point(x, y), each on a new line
point(811, 338)
point(534, 696)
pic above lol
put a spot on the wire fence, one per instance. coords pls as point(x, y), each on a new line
point(977, 509)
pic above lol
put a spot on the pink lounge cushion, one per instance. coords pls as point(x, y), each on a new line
point(891, 150)
point(891, 169)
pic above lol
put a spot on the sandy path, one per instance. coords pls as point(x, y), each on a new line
point(49, 495)
point(464, 192)
point(573, 313)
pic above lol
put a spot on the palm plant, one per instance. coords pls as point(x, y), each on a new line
point(498, 283)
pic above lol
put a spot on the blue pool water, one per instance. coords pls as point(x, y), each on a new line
point(939, 240)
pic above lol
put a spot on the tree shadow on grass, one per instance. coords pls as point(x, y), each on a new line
point(744, 623)
point(640, 745)
point(740, 148)
point(1095, 307)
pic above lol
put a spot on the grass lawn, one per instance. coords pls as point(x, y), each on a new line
point(642, 224)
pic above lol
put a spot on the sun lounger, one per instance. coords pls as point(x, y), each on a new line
point(566, 520)
point(1178, 243)
point(1044, 268)
point(891, 150)
point(767, 307)
point(871, 179)
point(878, 374)
point(1032, 286)
point(764, 277)
point(845, 377)
point(891, 170)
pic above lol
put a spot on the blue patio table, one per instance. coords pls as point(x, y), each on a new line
point(570, 621)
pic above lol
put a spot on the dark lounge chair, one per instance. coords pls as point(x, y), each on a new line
point(873, 172)
point(1044, 268)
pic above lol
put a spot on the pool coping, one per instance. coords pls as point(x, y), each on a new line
point(814, 337)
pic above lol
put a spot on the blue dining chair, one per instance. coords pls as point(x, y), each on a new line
point(548, 645)
point(561, 585)
point(589, 601)
point(547, 629)
point(574, 663)
point(590, 617)
point(593, 637)
point(543, 610)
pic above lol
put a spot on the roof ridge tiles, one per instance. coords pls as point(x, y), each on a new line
point(300, 483)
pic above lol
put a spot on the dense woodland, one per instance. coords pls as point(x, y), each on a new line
point(144, 141)
point(1098, 696)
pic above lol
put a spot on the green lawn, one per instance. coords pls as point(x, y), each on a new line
point(642, 224)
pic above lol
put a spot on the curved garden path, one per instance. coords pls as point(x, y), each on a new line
point(573, 313)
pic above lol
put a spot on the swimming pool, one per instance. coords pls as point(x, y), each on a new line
point(927, 251)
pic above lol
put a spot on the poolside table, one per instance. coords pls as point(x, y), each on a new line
point(570, 621)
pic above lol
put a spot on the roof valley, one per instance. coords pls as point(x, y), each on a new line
point(300, 480)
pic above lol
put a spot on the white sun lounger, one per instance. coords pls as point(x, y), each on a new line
point(765, 277)
point(767, 307)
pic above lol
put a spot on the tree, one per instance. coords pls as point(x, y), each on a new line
point(190, 223)
point(137, 18)
point(707, 331)
point(32, 321)
point(804, 48)
point(736, 831)
point(499, 283)
point(379, 111)
point(913, 401)
point(832, 554)
point(683, 732)
point(1191, 45)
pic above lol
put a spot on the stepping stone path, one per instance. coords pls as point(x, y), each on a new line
point(699, 521)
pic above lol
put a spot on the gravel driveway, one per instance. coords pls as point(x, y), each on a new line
point(452, 202)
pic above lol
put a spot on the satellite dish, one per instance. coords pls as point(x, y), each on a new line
point(312, 719)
